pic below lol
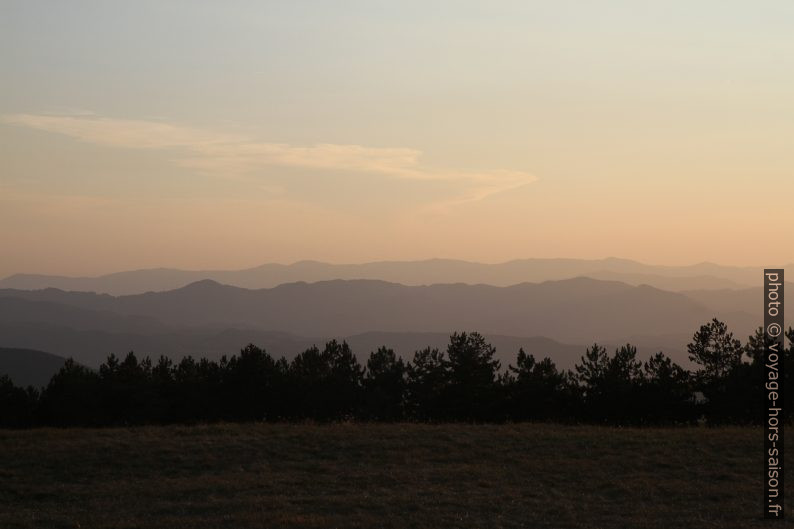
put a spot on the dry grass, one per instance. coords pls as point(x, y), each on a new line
point(367, 475)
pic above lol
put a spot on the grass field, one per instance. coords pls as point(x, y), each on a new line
point(368, 475)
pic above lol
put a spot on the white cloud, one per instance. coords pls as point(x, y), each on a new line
point(236, 155)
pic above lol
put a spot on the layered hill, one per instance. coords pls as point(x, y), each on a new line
point(427, 272)
point(210, 318)
point(27, 367)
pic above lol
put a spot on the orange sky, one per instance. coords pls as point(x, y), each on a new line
point(197, 136)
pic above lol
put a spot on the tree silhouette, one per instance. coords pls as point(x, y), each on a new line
point(127, 395)
point(427, 381)
point(667, 395)
point(325, 385)
point(463, 383)
point(472, 373)
point(346, 376)
point(537, 391)
point(620, 391)
point(590, 373)
point(250, 380)
point(721, 376)
point(199, 398)
point(384, 386)
point(715, 350)
point(17, 405)
point(72, 397)
point(610, 384)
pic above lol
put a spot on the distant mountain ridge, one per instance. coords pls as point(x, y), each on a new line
point(579, 310)
point(91, 347)
point(412, 273)
point(27, 367)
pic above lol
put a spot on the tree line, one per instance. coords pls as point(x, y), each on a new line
point(465, 382)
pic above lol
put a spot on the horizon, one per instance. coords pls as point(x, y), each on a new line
point(387, 261)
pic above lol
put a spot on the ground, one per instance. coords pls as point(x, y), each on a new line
point(392, 475)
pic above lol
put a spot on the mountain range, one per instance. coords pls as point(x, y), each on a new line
point(427, 272)
point(550, 307)
point(579, 309)
point(27, 367)
point(554, 318)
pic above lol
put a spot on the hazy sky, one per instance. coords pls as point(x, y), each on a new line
point(228, 134)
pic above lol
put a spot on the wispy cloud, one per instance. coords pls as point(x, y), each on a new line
point(128, 133)
point(235, 155)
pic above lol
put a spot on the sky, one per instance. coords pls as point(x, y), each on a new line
point(225, 135)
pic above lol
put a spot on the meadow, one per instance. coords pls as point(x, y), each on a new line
point(381, 475)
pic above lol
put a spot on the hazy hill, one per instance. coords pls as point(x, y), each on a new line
point(573, 311)
point(61, 311)
point(91, 347)
point(28, 367)
point(703, 275)
point(745, 299)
